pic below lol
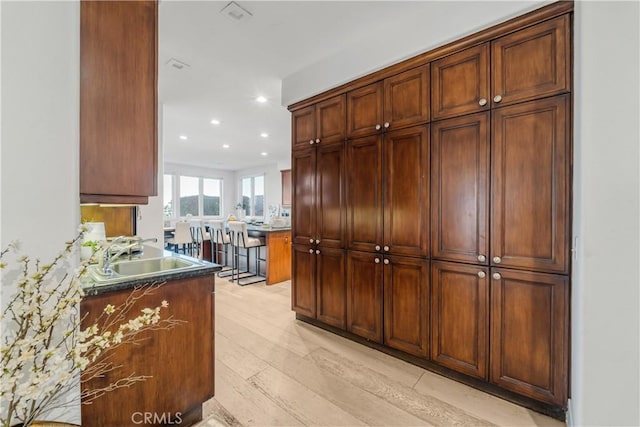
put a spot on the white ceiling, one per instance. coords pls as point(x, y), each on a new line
point(231, 62)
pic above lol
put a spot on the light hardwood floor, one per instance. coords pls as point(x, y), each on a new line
point(272, 370)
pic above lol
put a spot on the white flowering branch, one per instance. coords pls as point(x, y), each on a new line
point(44, 353)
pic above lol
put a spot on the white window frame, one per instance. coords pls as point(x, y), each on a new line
point(175, 191)
point(253, 195)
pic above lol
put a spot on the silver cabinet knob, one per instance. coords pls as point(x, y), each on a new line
point(386, 124)
point(378, 127)
point(310, 251)
point(377, 260)
point(497, 259)
point(482, 258)
point(497, 98)
point(482, 102)
point(311, 241)
point(497, 276)
point(386, 248)
point(317, 251)
point(482, 274)
point(377, 247)
point(317, 242)
point(311, 142)
point(386, 261)
point(317, 140)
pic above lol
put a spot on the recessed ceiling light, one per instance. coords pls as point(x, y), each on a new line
point(261, 99)
point(183, 137)
point(215, 121)
point(264, 135)
point(225, 146)
point(264, 153)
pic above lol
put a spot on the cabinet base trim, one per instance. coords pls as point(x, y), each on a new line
point(544, 408)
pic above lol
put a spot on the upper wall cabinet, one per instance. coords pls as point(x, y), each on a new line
point(323, 122)
point(527, 64)
point(398, 101)
point(118, 101)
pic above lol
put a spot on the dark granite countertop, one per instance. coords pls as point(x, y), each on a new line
point(202, 268)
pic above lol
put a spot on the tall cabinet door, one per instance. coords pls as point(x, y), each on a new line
point(530, 185)
point(364, 194)
point(529, 333)
point(330, 195)
point(303, 219)
point(406, 304)
point(406, 191)
point(364, 295)
point(331, 286)
point(460, 83)
point(460, 189)
point(460, 317)
point(303, 293)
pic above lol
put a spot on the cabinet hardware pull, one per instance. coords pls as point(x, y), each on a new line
point(482, 258)
point(377, 247)
point(311, 241)
point(497, 276)
point(311, 142)
point(482, 102)
point(497, 259)
point(317, 251)
point(317, 242)
point(386, 248)
point(497, 99)
point(317, 140)
point(376, 260)
point(386, 124)
point(378, 127)
point(310, 251)
point(481, 274)
point(386, 261)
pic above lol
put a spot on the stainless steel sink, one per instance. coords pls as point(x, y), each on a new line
point(134, 269)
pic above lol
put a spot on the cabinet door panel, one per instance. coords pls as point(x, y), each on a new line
point(406, 305)
point(406, 191)
point(460, 189)
point(533, 62)
point(459, 82)
point(331, 120)
point(364, 295)
point(364, 193)
point(406, 98)
point(530, 185)
point(303, 215)
point(529, 334)
point(330, 206)
point(332, 288)
point(460, 317)
point(364, 110)
point(303, 127)
point(303, 281)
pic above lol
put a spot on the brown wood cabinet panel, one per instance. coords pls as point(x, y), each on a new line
point(303, 127)
point(285, 176)
point(460, 189)
point(303, 291)
point(181, 358)
point(460, 83)
point(278, 257)
point(460, 317)
point(533, 62)
point(364, 194)
point(529, 334)
point(118, 101)
point(364, 295)
point(406, 191)
point(332, 287)
point(331, 120)
point(303, 215)
point(365, 110)
point(406, 304)
point(330, 196)
point(530, 185)
point(406, 98)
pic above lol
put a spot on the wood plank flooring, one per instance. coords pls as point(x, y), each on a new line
point(272, 370)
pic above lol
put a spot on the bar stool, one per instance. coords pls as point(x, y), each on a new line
point(240, 239)
point(220, 242)
point(200, 234)
point(182, 236)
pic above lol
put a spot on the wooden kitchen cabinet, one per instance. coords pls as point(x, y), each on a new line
point(118, 101)
point(285, 176)
point(398, 101)
point(278, 256)
point(530, 181)
point(388, 192)
point(460, 189)
point(529, 334)
point(364, 295)
point(323, 122)
point(406, 304)
point(181, 358)
point(460, 317)
point(303, 293)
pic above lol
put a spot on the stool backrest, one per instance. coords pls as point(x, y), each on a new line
point(183, 233)
point(218, 233)
point(239, 232)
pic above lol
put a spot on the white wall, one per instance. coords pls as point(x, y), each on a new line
point(605, 300)
point(40, 128)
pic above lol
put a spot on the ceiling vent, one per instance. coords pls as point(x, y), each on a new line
point(236, 12)
point(178, 65)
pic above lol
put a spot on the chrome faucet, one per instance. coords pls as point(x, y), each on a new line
point(108, 257)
